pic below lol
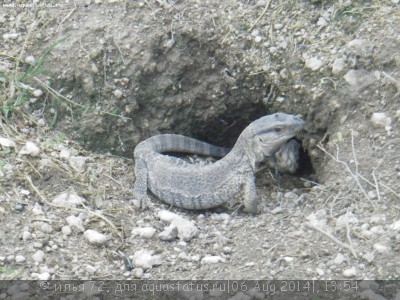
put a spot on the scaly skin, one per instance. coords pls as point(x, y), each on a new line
point(200, 187)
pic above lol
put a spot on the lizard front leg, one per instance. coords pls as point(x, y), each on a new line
point(250, 193)
point(140, 187)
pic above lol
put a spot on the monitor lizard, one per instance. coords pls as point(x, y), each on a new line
point(194, 186)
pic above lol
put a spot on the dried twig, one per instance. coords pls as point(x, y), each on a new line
point(355, 177)
point(260, 16)
point(349, 247)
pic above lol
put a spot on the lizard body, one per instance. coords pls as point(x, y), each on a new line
point(194, 186)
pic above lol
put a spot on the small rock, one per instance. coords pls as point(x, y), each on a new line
point(78, 163)
point(359, 79)
point(380, 119)
point(75, 223)
point(320, 272)
point(288, 259)
point(37, 209)
point(66, 230)
point(258, 39)
point(38, 256)
point(212, 260)
point(338, 65)
point(169, 234)
point(339, 259)
point(360, 47)
point(378, 219)
point(145, 232)
point(46, 228)
point(26, 235)
point(90, 269)
point(30, 149)
point(372, 194)
point(19, 259)
point(96, 238)
point(346, 219)
point(30, 60)
point(69, 198)
point(369, 256)
point(381, 248)
point(143, 259)
point(137, 273)
point(5, 142)
point(10, 36)
point(118, 93)
point(37, 93)
point(350, 272)
point(186, 229)
point(277, 210)
point(65, 154)
point(314, 63)
point(395, 226)
point(37, 245)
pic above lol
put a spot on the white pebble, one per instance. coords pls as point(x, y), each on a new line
point(46, 228)
point(66, 230)
point(38, 256)
point(137, 273)
point(379, 119)
point(26, 235)
point(69, 199)
point(212, 260)
point(169, 233)
point(258, 39)
point(186, 229)
point(277, 210)
point(95, 237)
point(350, 272)
point(37, 93)
point(78, 163)
point(381, 248)
point(11, 36)
point(372, 194)
point(358, 79)
point(143, 259)
point(314, 63)
point(396, 225)
point(5, 142)
point(19, 258)
point(90, 269)
point(339, 259)
point(320, 272)
point(288, 259)
point(118, 93)
point(145, 232)
point(30, 60)
point(30, 149)
point(37, 209)
point(338, 65)
point(65, 154)
point(75, 223)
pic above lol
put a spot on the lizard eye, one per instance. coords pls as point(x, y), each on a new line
point(278, 129)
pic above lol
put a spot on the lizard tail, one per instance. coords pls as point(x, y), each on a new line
point(179, 143)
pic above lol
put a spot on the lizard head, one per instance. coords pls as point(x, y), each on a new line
point(266, 135)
